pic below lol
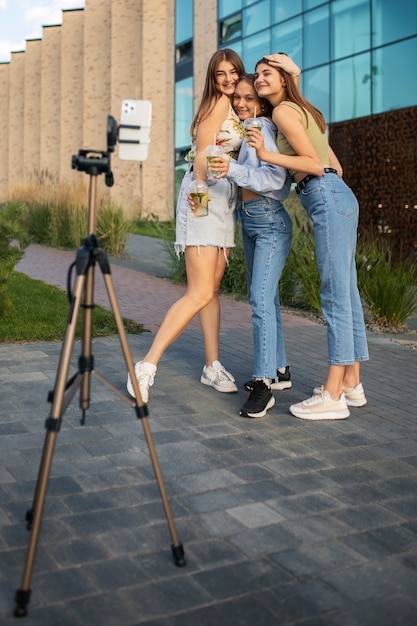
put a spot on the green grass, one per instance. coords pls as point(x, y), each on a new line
point(39, 312)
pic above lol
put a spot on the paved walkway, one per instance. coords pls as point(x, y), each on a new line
point(284, 522)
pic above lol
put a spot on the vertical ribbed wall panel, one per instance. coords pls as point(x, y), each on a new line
point(50, 99)
point(97, 59)
point(205, 41)
point(4, 116)
point(72, 100)
point(158, 73)
point(126, 82)
point(32, 115)
point(16, 113)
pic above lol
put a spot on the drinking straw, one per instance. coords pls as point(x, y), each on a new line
point(254, 114)
point(214, 139)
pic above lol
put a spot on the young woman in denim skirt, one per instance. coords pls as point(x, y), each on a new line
point(205, 241)
point(266, 234)
point(333, 208)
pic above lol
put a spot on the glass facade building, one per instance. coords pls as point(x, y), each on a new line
point(358, 57)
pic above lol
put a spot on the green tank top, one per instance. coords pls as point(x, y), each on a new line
point(317, 138)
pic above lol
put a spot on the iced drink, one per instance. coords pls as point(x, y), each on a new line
point(199, 193)
point(213, 152)
point(253, 122)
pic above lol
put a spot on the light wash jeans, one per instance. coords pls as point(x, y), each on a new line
point(334, 211)
point(267, 234)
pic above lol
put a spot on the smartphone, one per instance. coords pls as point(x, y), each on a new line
point(134, 130)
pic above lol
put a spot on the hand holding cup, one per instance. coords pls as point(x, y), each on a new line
point(212, 152)
point(219, 167)
point(252, 123)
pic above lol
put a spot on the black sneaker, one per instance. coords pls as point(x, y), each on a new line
point(282, 381)
point(259, 401)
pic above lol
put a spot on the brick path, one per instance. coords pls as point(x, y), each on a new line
point(284, 522)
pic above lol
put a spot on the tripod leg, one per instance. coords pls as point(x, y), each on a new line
point(53, 424)
point(86, 363)
point(141, 410)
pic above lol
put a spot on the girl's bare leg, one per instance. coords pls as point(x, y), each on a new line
point(352, 375)
point(201, 266)
point(334, 381)
point(342, 375)
point(210, 314)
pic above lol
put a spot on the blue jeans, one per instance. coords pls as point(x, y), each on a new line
point(334, 211)
point(267, 234)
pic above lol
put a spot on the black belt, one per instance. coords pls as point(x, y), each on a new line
point(300, 186)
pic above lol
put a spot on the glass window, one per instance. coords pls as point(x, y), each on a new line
point(351, 27)
point(284, 10)
point(315, 86)
point(184, 52)
point(254, 49)
point(312, 4)
point(183, 112)
point(183, 20)
point(236, 46)
point(256, 18)
point(316, 37)
point(393, 20)
point(288, 38)
point(226, 7)
point(394, 76)
point(351, 91)
point(230, 28)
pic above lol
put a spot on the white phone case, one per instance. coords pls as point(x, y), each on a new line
point(134, 130)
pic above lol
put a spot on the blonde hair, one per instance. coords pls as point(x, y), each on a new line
point(294, 95)
point(210, 92)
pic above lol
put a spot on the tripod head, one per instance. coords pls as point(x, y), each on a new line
point(95, 162)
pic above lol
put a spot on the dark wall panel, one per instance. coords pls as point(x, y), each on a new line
point(379, 158)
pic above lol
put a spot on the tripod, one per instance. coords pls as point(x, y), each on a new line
point(93, 163)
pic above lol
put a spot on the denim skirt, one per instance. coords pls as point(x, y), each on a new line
point(215, 229)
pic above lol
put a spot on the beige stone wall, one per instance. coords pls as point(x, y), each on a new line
point(51, 100)
point(72, 101)
point(32, 114)
point(56, 97)
point(158, 87)
point(16, 115)
point(4, 136)
point(126, 82)
point(205, 38)
point(97, 73)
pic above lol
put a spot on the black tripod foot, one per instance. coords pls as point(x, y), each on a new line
point(29, 519)
point(178, 554)
point(22, 600)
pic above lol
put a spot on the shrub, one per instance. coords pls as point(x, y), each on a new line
point(13, 240)
point(56, 214)
point(388, 285)
point(112, 229)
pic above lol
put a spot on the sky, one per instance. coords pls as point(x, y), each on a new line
point(23, 19)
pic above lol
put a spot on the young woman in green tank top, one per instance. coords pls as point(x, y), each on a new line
point(333, 209)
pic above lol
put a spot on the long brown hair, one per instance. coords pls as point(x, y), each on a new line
point(294, 95)
point(210, 93)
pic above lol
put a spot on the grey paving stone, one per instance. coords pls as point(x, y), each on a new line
point(282, 521)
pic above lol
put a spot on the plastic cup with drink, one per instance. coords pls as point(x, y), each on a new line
point(213, 152)
point(198, 191)
point(252, 122)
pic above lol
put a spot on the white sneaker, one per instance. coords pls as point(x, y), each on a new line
point(321, 407)
point(216, 376)
point(355, 396)
point(145, 374)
